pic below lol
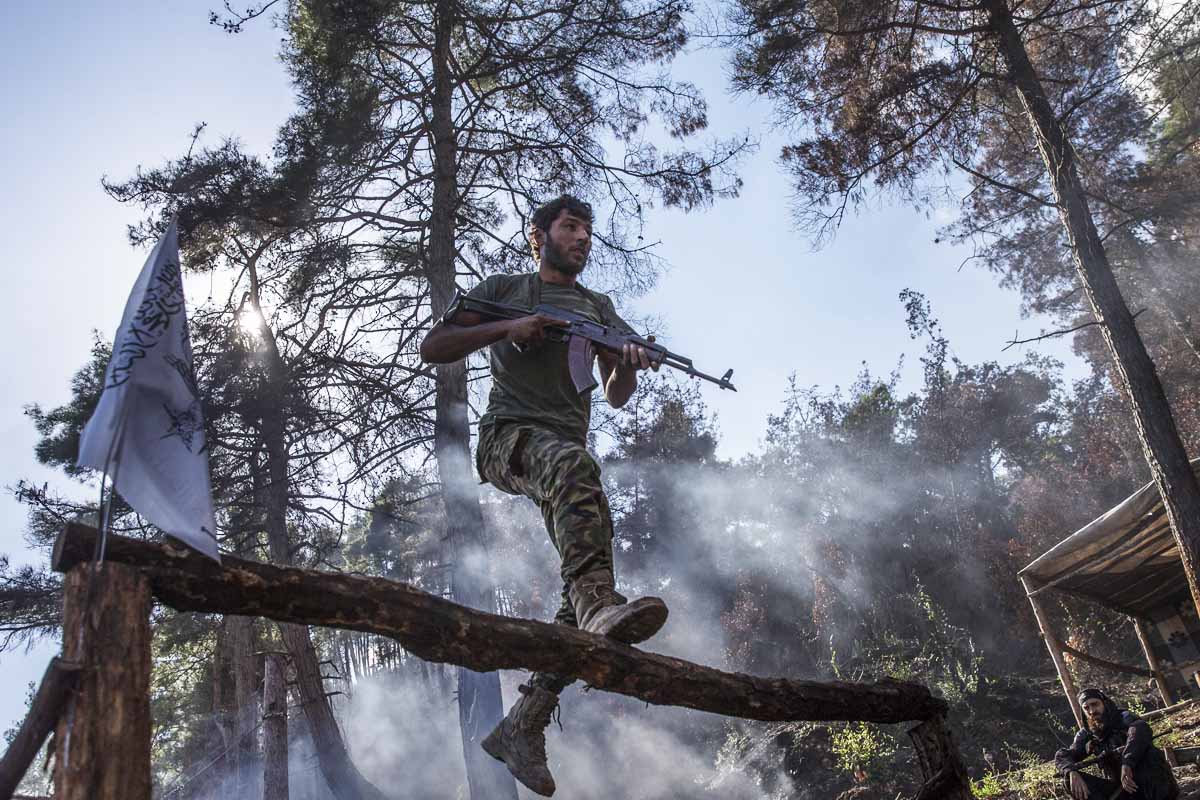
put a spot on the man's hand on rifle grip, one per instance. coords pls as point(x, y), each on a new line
point(531, 330)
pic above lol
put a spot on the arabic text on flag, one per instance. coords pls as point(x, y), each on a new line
point(148, 429)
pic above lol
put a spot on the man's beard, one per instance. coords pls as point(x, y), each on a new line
point(558, 259)
point(1097, 725)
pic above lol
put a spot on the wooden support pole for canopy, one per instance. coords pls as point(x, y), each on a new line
point(48, 704)
point(1055, 647)
point(102, 745)
point(1143, 633)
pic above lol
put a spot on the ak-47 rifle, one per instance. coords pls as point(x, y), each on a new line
point(583, 337)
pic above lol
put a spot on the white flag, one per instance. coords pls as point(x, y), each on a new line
point(148, 430)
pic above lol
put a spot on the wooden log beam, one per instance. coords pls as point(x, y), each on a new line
point(436, 629)
point(1105, 663)
point(1162, 712)
point(58, 683)
point(102, 746)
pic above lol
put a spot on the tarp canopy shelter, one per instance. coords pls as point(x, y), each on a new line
point(1126, 560)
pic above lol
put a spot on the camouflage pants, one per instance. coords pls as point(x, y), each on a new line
point(564, 480)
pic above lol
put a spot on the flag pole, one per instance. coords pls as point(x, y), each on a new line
point(114, 461)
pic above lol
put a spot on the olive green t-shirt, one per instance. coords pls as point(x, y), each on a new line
point(536, 385)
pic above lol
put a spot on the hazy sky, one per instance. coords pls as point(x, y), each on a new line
point(96, 89)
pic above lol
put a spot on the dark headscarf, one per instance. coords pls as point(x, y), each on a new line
point(1111, 714)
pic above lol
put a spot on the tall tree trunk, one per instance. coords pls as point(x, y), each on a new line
point(339, 771)
point(240, 639)
point(275, 737)
point(1135, 372)
point(224, 704)
point(480, 704)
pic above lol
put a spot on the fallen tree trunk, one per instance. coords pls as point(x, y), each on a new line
point(48, 704)
point(438, 630)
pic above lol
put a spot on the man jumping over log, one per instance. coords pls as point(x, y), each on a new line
point(532, 443)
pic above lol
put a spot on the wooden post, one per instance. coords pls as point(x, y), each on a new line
point(275, 736)
point(1143, 634)
point(102, 744)
point(1055, 648)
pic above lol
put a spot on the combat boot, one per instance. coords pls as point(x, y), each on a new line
point(599, 608)
point(520, 739)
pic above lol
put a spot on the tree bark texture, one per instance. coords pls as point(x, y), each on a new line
point(480, 702)
point(56, 688)
point(945, 774)
point(275, 736)
point(102, 744)
point(1135, 372)
point(437, 629)
point(224, 709)
point(240, 637)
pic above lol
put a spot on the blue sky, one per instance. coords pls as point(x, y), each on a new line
point(97, 89)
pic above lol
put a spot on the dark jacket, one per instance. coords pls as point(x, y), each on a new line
point(1126, 740)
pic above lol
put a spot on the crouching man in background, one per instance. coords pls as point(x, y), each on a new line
point(1134, 768)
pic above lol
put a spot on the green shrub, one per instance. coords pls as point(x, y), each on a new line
point(988, 787)
point(1036, 780)
point(860, 747)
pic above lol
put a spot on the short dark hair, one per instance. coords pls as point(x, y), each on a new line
point(545, 214)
